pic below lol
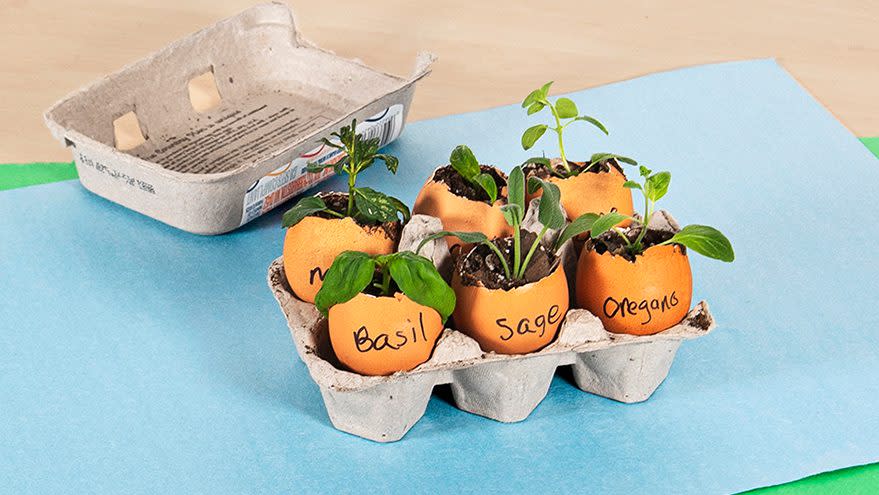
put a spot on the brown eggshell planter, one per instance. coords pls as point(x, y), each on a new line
point(591, 192)
point(311, 245)
point(459, 213)
point(503, 387)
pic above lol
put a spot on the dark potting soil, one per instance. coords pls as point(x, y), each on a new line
point(542, 171)
point(338, 202)
point(700, 320)
point(460, 187)
point(611, 241)
point(481, 265)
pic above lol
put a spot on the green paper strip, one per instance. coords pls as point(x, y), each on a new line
point(857, 480)
point(872, 144)
point(31, 174)
point(854, 480)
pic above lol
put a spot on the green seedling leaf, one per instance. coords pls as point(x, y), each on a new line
point(391, 161)
point(537, 159)
point(706, 241)
point(331, 144)
point(644, 171)
point(594, 122)
point(516, 188)
point(513, 214)
point(535, 107)
point(487, 183)
point(315, 167)
point(606, 222)
point(419, 280)
point(603, 157)
point(378, 207)
point(544, 90)
point(350, 273)
point(581, 224)
point(401, 207)
point(305, 207)
point(531, 98)
point(566, 108)
point(656, 185)
point(550, 211)
point(630, 184)
point(340, 165)
point(466, 237)
point(532, 134)
point(464, 162)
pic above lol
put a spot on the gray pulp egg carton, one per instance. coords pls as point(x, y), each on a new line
point(505, 388)
point(217, 129)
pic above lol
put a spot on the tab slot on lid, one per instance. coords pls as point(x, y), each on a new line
point(203, 92)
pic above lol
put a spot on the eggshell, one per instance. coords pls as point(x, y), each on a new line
point(593, 193)
point(311, 245)
point(382, 335)
point(516, 321)
point(643, 297)
point(460, 214)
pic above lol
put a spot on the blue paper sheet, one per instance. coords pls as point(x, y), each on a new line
point(137, 358)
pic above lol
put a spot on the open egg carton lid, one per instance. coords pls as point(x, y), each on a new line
point(626, 368)
point(216, 129)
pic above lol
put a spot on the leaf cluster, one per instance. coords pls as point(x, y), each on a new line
point(353, 272)
point(702, 239)
point(549, 213)
point(564, 113)
point(465, 163)
point(364, 204)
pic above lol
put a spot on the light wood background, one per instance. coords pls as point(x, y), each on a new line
point(492, 52)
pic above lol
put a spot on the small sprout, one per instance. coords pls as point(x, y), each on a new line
point(364, 204)
point(562, 109)
point(353, 272)
point(465, 163)
point(705, 240)
point(549, 213)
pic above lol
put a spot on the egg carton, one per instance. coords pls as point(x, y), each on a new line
point(218, 128)
point(505, 388)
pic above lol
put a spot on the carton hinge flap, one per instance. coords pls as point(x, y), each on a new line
point(423, 63)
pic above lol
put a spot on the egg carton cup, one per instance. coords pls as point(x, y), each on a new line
point(506, 388)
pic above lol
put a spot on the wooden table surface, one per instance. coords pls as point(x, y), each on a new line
point(492, 52)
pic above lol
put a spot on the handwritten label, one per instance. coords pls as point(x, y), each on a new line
point(628, 307)
point(316, 273)
point(524, 326)
point(366, 342)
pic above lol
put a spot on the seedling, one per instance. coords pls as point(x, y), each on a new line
point(353, 272)
point(564, 109)
point(703, 239)
point(364, 204)
point(549, 213)
point(465, 163)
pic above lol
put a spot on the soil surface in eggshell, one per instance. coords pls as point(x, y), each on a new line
point(481, 265)
point(543, 171)
point(612, 242)
point(460, 187)
point(338, 202)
